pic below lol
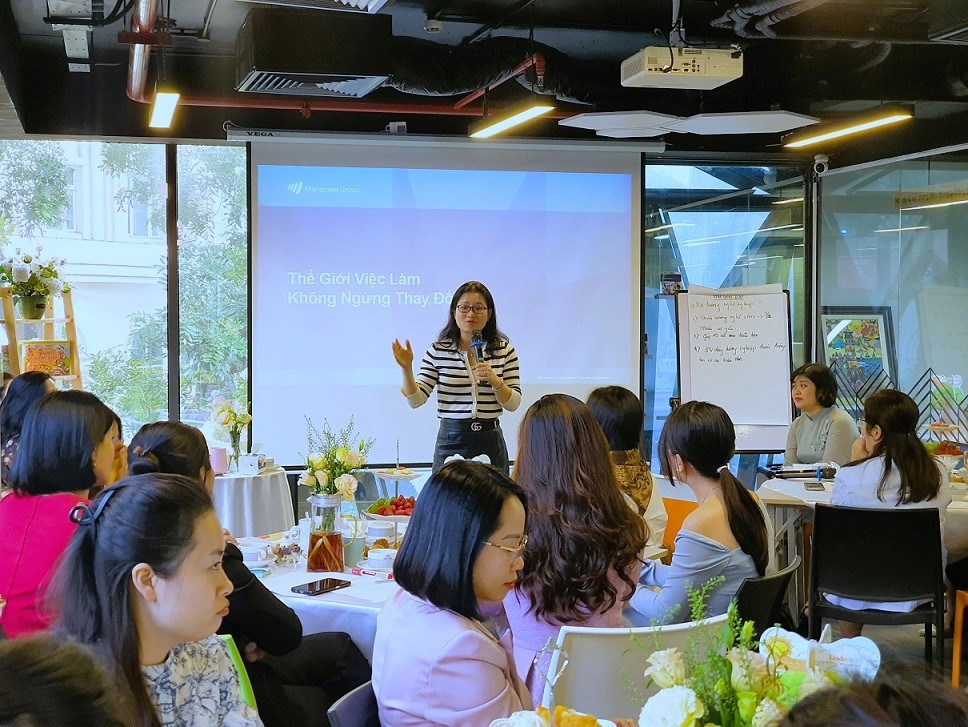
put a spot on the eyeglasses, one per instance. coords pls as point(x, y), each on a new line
point(515, 552)
point(478, 309)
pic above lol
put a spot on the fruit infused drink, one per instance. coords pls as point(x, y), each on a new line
point(325, 553)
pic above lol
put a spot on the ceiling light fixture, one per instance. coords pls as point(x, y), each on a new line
point(789, 201)
point(509, 118)
point(163, 108)
point(660, 228)
point(935, 206)
point(904, 229)
point(883, 117)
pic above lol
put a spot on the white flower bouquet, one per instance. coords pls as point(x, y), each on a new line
point(333, 458)
point(30, 274)
point(733, 683)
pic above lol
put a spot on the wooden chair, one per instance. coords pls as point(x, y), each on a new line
point(602, 662)
point(961, 603)
point(356, 709)
point(677, 510)
point(881, 556)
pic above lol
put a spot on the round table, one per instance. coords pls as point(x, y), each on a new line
point(253, 505)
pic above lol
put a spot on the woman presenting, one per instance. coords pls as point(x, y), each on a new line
point(475, 383)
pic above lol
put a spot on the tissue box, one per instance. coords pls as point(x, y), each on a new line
point(250, 464)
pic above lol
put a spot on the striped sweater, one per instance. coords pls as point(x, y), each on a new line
point(459, 395)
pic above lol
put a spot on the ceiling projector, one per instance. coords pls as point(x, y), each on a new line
point(696, 68)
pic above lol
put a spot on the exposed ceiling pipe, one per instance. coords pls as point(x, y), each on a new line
point(537, 60)
point(142, 21)
point(307, 106)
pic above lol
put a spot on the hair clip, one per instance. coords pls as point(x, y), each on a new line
point(84, 516)
point(724, 467)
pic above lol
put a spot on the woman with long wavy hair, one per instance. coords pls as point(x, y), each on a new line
point(584, 543)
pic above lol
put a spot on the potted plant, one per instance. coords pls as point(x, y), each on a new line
point(32, 279)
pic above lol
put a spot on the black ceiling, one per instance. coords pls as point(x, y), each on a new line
point(822, 58)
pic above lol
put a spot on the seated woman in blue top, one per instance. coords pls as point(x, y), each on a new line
point(890, 468)
point(724, 536)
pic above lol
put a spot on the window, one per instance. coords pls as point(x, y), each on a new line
point(140, 220)
point(213, 279)
point(67, 216)
point(719, 227)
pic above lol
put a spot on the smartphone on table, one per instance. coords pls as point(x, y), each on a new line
point(813, 486)
point(323, 585)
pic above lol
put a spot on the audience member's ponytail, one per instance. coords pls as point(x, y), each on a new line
point(170, 447)
point(703, 435)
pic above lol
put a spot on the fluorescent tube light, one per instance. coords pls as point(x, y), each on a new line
point(934, 206)
point(163, 109)
point(495, 124)
point(904, 229)
point(816, 136)
point(789, 201)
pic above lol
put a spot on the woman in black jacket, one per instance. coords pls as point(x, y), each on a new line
point(294, 678)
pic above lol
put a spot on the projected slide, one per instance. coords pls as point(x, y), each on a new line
point(345, 259)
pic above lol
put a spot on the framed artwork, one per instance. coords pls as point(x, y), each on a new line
point(860, 340)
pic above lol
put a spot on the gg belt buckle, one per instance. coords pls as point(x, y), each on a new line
point(476, 426)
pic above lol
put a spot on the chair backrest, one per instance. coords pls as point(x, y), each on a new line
point(677, 510)
point(890, 554)
point(245, 684)
point(355, 709)
point(760, 599)
point(605, 666)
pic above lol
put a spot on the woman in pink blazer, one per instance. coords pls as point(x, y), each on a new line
point(435, 661)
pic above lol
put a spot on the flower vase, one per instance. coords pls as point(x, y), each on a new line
point(236, 438)
point(325, 536)
point(32, 307)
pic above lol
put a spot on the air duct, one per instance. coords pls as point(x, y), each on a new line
point(336, 55)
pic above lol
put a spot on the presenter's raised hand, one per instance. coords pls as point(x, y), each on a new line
point(403, 356)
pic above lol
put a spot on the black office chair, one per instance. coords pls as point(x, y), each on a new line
point(878, 555)
point(355, 709)
point(760, 600)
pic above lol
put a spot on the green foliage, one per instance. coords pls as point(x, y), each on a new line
point(34, 179)
point(212, 263)
point(133, 387)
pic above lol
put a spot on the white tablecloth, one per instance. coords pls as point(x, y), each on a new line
point(784, 497)
point(352, 610)
point(253, 505)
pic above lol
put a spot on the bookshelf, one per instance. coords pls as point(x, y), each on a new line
point(55, 325)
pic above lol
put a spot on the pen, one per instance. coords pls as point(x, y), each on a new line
point(377, 574)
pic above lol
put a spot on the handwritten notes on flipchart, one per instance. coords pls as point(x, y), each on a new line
point(734, 350)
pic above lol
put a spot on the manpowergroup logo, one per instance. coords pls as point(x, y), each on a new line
point(296, 188)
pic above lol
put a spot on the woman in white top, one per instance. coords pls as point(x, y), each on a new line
point(890, 468)
point(475, 370)
point(823, 432)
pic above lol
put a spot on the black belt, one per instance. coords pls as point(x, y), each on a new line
point(469, 425)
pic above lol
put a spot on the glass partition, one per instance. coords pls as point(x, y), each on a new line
point(714, 226)
point(893, 255)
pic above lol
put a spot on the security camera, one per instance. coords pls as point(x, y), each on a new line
point(821, 163)
point(433, 26)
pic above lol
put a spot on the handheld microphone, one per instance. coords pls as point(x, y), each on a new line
point(476, 351)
